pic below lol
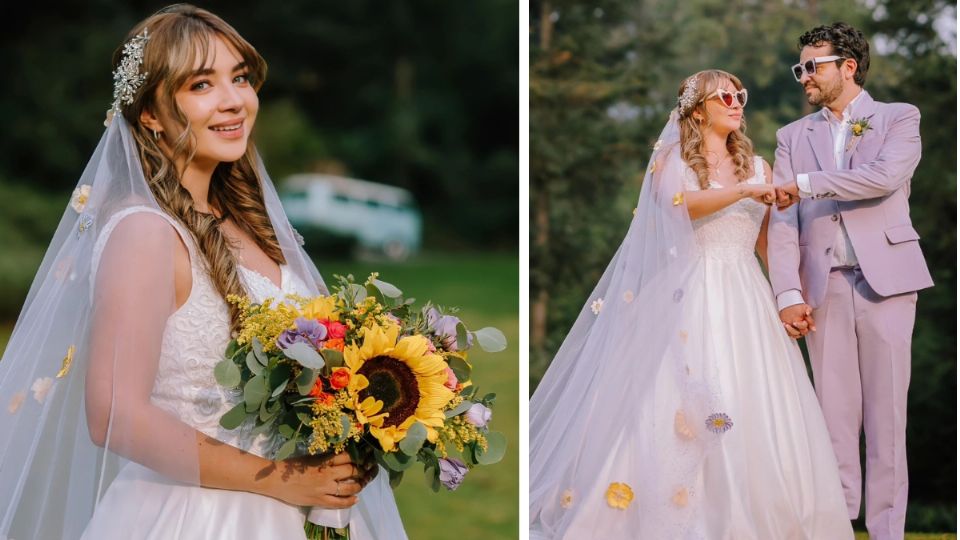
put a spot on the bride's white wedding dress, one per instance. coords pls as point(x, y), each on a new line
point(141, 503)
point(771, 474)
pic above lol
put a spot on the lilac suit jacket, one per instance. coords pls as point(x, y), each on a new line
point(871, 197)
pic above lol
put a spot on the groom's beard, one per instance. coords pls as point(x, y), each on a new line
point(826, 93)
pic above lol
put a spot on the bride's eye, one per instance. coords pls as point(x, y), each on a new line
point(199, 85)
point(243, 78)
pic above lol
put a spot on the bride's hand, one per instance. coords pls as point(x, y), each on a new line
point(762, 193)
point(324, 481)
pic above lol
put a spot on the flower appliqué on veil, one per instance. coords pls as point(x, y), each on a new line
point(16, 401)
point(41, 387)
point(566, 499)
point(719, 423)
point(619, 495)
point(677, 295)
point(681, 427)
point(78, 201)
point(681, 497)
point(596, 306)
point(628, 296)
point(67, 362)
point(86, 221)
point(678, 198)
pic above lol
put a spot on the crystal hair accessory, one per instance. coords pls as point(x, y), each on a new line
point(127, 79)
point(689, 97)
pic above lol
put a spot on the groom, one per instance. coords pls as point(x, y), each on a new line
point(845, 263)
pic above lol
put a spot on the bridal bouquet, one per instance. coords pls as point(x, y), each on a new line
point(362, 371)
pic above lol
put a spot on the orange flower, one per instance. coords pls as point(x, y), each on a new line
point(340, 378)
point(335, 344)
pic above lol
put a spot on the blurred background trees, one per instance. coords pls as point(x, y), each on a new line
point(603, 77)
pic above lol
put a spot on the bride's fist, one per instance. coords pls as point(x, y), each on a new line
point(324, 481)
point(762, 193)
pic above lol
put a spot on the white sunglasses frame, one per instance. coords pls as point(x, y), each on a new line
point(716, 93)
point(816, 62)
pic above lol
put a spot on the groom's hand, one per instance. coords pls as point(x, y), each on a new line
point(787, 195)
point(797, 320)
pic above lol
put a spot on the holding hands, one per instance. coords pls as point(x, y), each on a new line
point(798, 320)
point(783, 196)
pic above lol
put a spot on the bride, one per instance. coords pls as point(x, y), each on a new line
point(111, 409)
point(677, 406)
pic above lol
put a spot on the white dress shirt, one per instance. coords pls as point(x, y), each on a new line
point(843, 254)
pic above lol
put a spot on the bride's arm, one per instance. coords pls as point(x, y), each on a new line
point(762, 237)
point(134, 296)
point(705, 202)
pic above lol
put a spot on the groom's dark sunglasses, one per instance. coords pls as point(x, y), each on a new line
point(810, 66)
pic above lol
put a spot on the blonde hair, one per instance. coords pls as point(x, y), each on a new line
point(691, 138)
point(179, 36)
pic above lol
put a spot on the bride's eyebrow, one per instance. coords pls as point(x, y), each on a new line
point(211, 71)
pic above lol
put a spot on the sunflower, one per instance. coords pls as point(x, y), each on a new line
point(405, 377)
point(320, 308)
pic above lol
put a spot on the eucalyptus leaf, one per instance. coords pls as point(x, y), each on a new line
point(431, 475)
point(232, 349)
point(286, 431)
point(459, 409)
point(227, 373)
point(258, 351)
point(460, 368)
point(279, 378)
point(253, 364)
point(388, 289)
point(345, 428)
point(254, 392)
point(332, 357)
point(398, 461)
point(304, 354)
point(496, 448)
point(463, 342)
point(234, 417)
point(286, 450)
point(306, 380)
point(490, 339)
point(395, 478)
point(356, 293)
point(413, 441)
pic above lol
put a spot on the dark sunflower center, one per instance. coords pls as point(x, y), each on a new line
point(393, 383)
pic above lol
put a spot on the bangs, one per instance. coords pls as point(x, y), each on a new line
point(193, 52)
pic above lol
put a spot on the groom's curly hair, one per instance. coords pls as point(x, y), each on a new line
point(846, 41)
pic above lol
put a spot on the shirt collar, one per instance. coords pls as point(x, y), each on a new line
point(846, 111)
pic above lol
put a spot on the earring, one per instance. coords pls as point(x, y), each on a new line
point(156, 135)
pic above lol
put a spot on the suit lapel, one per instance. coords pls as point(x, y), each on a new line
point(865, 108)
point(821, 141)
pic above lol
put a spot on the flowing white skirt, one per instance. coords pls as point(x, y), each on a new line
point(143, 504)
point(772, 475)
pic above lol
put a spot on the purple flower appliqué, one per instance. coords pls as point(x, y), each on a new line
point(307, 331)
point(452, 471)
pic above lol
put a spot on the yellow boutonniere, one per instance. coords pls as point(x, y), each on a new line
point(857, 129)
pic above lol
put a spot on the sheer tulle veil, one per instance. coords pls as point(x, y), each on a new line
point(88, 332)
point(621, 410)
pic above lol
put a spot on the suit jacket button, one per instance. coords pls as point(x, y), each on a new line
point(835, 217)
point(828, 251)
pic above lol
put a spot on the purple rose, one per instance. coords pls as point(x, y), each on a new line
point(307, 331)
point(445, 328)
point(478, 415)
point(452, 471)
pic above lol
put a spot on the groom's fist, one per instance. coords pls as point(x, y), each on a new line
point(787, 194)
point(797, 320)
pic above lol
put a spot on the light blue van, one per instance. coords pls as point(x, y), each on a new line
point(378, 217)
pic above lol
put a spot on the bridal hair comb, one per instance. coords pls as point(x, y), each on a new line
point(688, 99)
point(127, 79)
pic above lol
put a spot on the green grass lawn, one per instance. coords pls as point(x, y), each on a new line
point(486, 289)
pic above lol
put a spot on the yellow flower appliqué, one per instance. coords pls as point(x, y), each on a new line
point(566, 500)
point(619, 495)
point(16, 401)
point(67, 361)
point(680, 497)
point(78, 201)
point(678, 198)
point(681, 427)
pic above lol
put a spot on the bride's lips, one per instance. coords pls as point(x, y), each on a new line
point(231, 129)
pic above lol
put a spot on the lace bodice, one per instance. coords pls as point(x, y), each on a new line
point(730, 233)
point(194, 340)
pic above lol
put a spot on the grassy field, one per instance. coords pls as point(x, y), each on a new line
point(486, 288)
